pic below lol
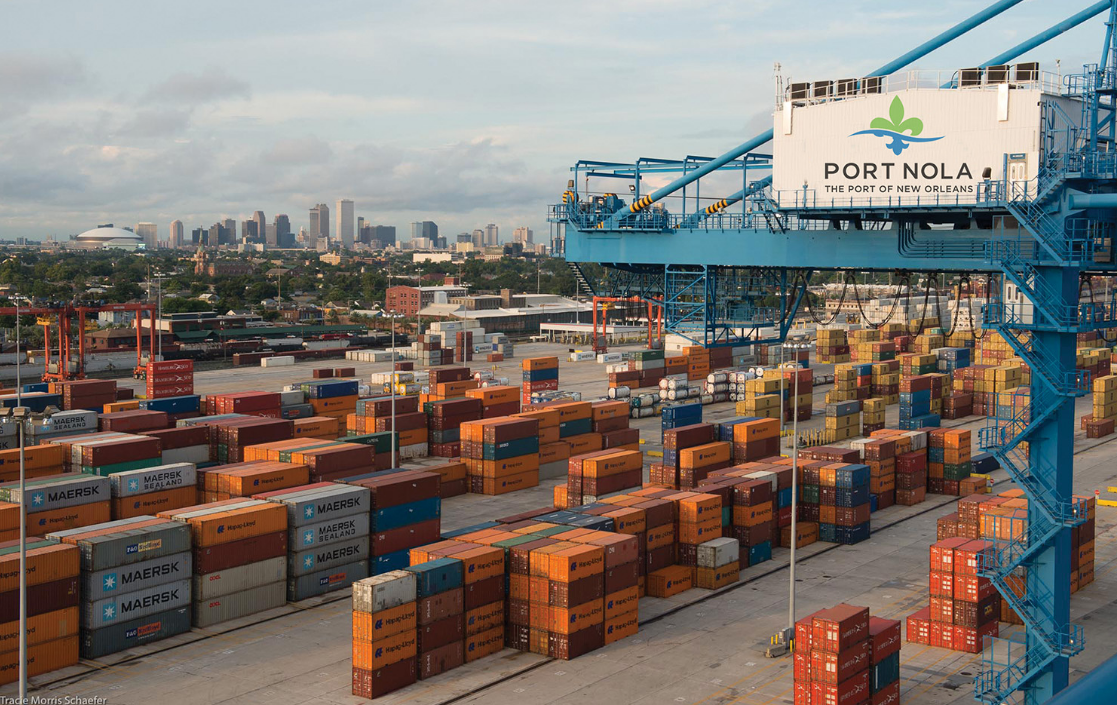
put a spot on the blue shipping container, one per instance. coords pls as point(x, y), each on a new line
point(437, 576)
point(760, 552)
point(397, 560)
point(173, 405)
point(510, 449)
point(404, 514)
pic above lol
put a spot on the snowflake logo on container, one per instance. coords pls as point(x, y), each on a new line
point(37, 499)
point(133, 485)
point(309, 511)
point(109, 613)
point(308, 562)
point(110, 582)
point(308, 537)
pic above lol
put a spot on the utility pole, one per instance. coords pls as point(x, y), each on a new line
point(19, 411)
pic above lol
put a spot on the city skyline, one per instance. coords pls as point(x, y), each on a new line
point(90, 135)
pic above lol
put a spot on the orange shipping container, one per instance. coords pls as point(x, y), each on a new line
point(485, 617)
point(42, 523)
point(609, 410)
point(574, 410)
point(153, 502)
point(699, 531)
point(41, 658)
point(567, 620)
point(618, 628)
point(669, 581)
point(316, 426)
point(494, 395)
point(705, 455)
point(413, 437)
point(510, 466)
point(554, 452)
point(715, 578)
point(503, 485)
point(378, 626)
point(622, 602)
point(385, 652)
point(481, 563)
point(264, 478)
point(484, 644)
point(45, 564)
point(50, 455)
point(547, 418)
point(584, 443)
point(661, 536)
point(539, 363)
point(577, 562)
point(628, 520)
point(454, 389)
point(40, 628)
point(699, 507)
point(754, 516)
point(243, 523)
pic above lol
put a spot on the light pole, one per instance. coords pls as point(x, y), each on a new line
point(392, 382)
point(19, 413)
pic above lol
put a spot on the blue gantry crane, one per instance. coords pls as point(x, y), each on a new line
point(1039, 218)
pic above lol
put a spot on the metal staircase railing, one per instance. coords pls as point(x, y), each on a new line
point(584, 286)
point(1049, 233)
point(1047, 302)
point(1068, 383)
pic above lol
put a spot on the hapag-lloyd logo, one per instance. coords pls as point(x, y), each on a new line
point(894, 126)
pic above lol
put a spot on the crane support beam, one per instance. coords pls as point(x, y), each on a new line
point(892, 66)
point(1048, 34)
point(724, 203)
point(1082, 201)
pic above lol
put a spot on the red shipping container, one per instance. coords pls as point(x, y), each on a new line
point(942, 553)
point(834, 668)
point(972, 640)
point(919, 626)
point(849, 692)
point(134, 421)
point(967, 558)
point(803, 631)
point(941, 584)
point(884, 638)
point(802, 692)
point(942, 610)
point(840, 627)
point(802, 668)
point(972, 588)
point(888, 695)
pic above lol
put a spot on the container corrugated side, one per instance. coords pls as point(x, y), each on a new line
point(71, 492)
point(239, 579)
point(136, 576)
point(134, 605)
point(329, 556)
point(327, 532)
point(385, 591)
point(96, 643)
point(239, 604)
point(325, 503)
point(323, 581)
point(161, 477)
point(133, 545)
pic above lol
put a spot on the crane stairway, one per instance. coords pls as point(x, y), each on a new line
point(1013, 664)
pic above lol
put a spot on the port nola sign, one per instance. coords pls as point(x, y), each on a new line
point(914, 143)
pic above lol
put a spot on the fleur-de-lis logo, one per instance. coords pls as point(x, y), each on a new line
point(895, 125)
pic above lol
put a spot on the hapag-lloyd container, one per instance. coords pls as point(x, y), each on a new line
point(239, 579)
point(136, 604)
point(136, 576)
point(134, 632)
point(239, 604)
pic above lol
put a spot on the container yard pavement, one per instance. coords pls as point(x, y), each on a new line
point(697, 647)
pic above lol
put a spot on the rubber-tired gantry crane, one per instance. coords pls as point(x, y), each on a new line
point(874, 174)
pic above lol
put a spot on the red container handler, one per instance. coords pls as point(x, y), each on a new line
point(838, 628)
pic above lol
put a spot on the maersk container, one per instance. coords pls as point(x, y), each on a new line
point(324, 503)
point(384, 591)
point(239, 604)
point(330, 556)
point(120, 608)
point(161, 477)
point(112, 639)
point(60, 494)
point(323, 581)
point(125, 579)
point(326, 532)
point(239, 579)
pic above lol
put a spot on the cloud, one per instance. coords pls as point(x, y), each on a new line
point(26, 79)
point(156, 123)
point(210, 85)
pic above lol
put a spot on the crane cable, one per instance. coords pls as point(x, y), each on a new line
point(861, 308)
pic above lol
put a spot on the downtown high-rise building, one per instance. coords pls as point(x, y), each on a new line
point(149, 233)
point(492, 235)
point(261, 225)
point(319, 222)
point(248, 231)
point(522, 235)
point(175, 236)
point(282, 232)
point(424, 230)
point(478, 238)
point(345, 229)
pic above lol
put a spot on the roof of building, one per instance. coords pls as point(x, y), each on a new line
point(106, 235)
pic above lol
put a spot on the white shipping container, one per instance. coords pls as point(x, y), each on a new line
point(718, 552)
point(240, 578)
point(415, 450)
point(290, 397)
point(582, 356)
point(278, 361)
point(187, 454)
point(608, 357)
point(384, 591)
point(239, 604)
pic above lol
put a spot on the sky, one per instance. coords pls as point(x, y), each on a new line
point(464, 113)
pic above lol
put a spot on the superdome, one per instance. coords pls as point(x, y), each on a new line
point(109, 237)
